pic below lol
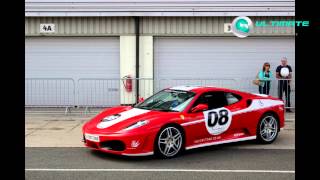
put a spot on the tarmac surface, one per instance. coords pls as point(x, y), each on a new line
point(54, 151)
point(215, 162)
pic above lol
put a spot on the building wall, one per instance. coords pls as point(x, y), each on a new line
point(127, 66)
point(155, 26)
point(146, 65)
point(81, 26)
point(205, 26)
point(150, 28)
point(160, 8)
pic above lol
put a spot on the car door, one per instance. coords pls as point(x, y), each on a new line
point(197, 126)
point(235, 103)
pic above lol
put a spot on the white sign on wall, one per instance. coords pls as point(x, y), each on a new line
point(227, 28)
point(47, 28)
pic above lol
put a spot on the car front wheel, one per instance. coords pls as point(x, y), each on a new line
point(169, 142)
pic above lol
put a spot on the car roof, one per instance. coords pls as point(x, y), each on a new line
point(200, 89)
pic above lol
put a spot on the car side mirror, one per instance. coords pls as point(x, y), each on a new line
point(199, 108)
point(141, 99)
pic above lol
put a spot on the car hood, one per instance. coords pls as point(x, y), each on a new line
point(124, 116)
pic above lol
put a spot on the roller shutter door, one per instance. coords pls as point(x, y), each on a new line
point(64, 71)
point(185, 58)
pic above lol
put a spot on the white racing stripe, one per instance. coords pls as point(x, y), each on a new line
point(139, 154)
point(167, 170)
point(184, 88)
point(262, 95)
point(192, 122)
point(221, 142)
point(123, 116)
point(258, 104)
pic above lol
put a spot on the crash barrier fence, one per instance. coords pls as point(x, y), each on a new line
point(102, 92)
point(49, 92)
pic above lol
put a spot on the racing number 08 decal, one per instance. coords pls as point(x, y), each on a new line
point(217, 120)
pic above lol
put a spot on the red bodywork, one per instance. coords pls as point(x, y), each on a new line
point(243, 126)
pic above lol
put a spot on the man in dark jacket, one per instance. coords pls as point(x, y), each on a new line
point(284, 75)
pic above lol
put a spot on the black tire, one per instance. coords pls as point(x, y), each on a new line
point(174, 150)
point(267, 132)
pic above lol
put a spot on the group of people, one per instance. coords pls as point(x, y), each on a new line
point(283, 74)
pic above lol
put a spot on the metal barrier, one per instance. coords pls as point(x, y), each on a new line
point(98, 92)
point(93, 92)
point(286, 91)
point(279, 88)
point(222, 82)
point(103, 92)
point(49, 92)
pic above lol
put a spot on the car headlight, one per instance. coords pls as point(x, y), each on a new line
point(137, 124)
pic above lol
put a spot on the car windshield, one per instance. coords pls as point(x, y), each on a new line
point(167, 100)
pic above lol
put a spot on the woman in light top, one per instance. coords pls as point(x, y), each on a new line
point(265, 76)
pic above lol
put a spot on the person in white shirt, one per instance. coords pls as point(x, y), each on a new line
point(284, 75)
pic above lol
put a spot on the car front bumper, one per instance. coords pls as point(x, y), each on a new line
point(128, 144)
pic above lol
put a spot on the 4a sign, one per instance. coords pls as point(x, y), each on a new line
point(47, 28)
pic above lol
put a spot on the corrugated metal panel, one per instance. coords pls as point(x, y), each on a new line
point(205, 26)
point(81, 26)
point(160, 8)
point(218, 58)
point(157, 26)
point(50, 61)
point(175, 57)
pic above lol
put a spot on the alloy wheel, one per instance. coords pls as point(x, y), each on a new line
point(170, 141)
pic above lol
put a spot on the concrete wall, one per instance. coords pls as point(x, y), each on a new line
point(127, 67)
point(146, 66)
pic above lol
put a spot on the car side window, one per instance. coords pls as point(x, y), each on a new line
point(232, 98)
point(212, 99)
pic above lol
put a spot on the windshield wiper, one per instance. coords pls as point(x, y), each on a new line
point(165, 110)
point(144, 107)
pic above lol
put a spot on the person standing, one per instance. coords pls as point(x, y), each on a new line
point(265, 76)
point(284, 75)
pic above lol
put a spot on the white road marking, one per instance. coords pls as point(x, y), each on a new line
point(167, 170)
point(288, 119)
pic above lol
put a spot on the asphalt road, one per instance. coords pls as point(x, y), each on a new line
point(215, 162)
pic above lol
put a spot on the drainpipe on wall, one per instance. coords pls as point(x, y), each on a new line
point(137, 32)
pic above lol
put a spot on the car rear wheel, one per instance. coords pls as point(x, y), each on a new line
point(268, 129)
point(169, 142)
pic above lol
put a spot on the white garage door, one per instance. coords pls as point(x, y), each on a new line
point(72, 71)
point(217, 58)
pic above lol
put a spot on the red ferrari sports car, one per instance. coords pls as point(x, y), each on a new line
point(185, 117)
